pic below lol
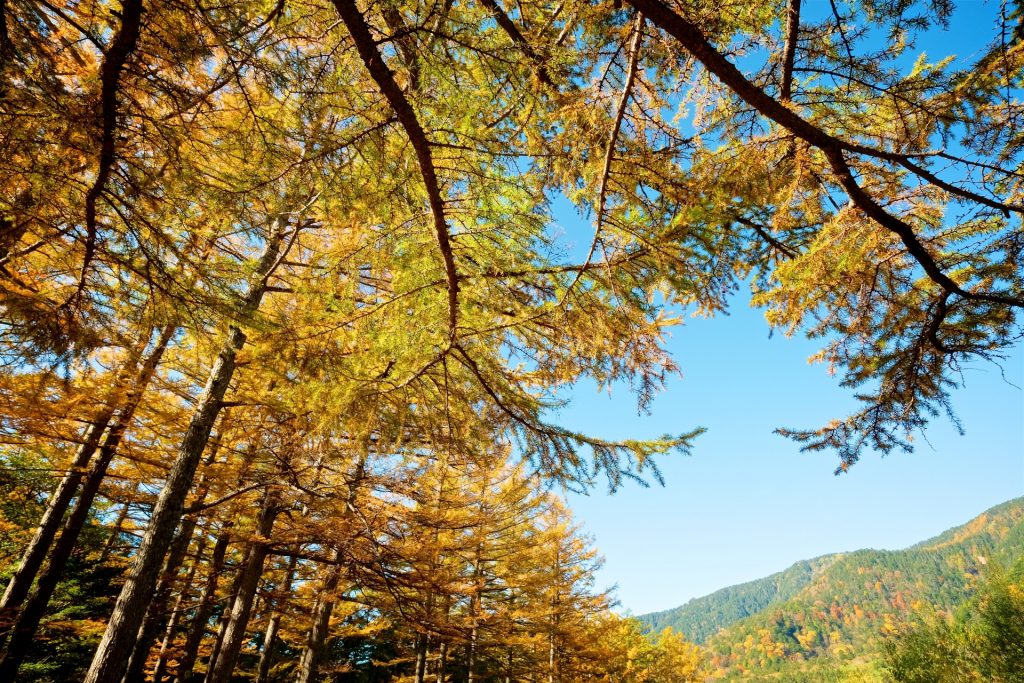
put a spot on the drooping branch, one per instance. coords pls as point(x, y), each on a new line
point(122, 47)
point(693, 40)
point(930, 177)
point(866, 203)
point(613, 138)
point(381, 74)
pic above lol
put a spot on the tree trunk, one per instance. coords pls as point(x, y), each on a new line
point(551, 658)
point(222, 623)
point(175, 617)
point(442, 655)
point(310, 661)
point(109, 663)
point(422, 644)
point(28, 621)
point(156, 611)
point(553, 675)
point(269, 638)
point(317, 636)
point(156, 614)
point(475, 601)
point(204, 610)
point(241, 609)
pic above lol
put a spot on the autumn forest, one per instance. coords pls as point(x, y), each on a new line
point(286, 315)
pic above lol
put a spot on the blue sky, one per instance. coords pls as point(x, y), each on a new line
point(747, 503)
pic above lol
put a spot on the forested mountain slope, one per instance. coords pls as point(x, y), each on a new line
point(845, 604)
point(703, 617)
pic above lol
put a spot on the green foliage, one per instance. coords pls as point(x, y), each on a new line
point(985, 642)
point(71, 630)
point(701, 618)
point(24, 482)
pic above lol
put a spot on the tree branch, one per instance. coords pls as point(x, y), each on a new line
point(788, 251)
point(509, 27)
point(693, 40)
point(927, 175)
point(200, 506)
point(381, 74)
point(866, 203)
point(120, 50)
point(613, 137)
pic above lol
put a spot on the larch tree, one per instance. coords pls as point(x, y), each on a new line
point(281, 284)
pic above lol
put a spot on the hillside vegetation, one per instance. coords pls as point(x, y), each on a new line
point(834, 613)
point(705, 616)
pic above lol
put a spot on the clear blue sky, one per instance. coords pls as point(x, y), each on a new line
point(747, 503)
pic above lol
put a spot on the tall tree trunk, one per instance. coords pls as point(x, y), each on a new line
point(552, 636)
point(442, 644)
point(553, 625)
point(204, 610)
point(28, 621)
point(317, 635)
point(435, 560)
point(249, 582)
point(157, 609)
point(474, 612)
point(109, 663)
point(156, 613)
point(222, 622)
point(471, 655)
point(422, 645)
point(175, 617)
point(442, 656)
point(270, 636)
point(32, 559)
point(551, 658)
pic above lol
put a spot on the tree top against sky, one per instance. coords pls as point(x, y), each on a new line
point(410, 153)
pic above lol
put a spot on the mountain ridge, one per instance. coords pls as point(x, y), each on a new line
point(772, 589)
